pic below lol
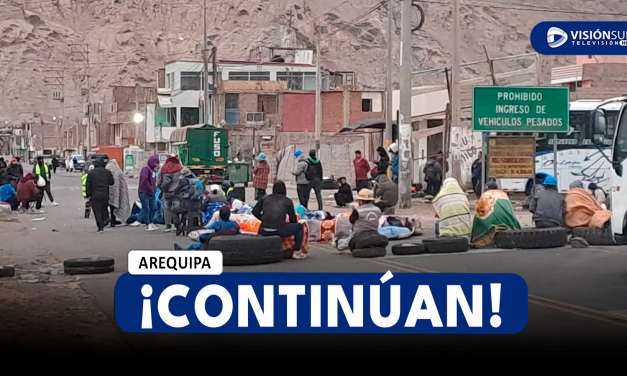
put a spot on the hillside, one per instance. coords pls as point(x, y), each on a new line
point(130, 39)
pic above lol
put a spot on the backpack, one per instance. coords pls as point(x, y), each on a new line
point(311, 172)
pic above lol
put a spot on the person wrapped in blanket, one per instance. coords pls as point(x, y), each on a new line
point(494, 213)
point(453, 210)
point(224, 226)
point(583, 208)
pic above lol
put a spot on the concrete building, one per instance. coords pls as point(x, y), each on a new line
point(597, 72)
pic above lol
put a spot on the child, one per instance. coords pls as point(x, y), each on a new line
point(224, 226)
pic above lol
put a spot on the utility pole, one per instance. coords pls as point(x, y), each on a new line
point(455, 93)
point(82, 52)
point(56, 79)
point(205, 73)
point(318, 128)
point(214, 72)
point(405, 168)
point(389, 135)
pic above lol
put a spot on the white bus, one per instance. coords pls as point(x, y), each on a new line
point(617, 163)
point(578, 157)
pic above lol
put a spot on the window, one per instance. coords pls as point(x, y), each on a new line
point(191, 81)
point(267, 104)
point(231, 108)
point(170, 81)
point(167, 81)
point(190, 116)
point(249, 76)
point(434, 123)
point(309, 81)
point(579, 84)
point(172, 119)
point(610, 118)
point(572, 86)
point(620, 147)
point(162, 118)
point(366, 105)
point(298, 80)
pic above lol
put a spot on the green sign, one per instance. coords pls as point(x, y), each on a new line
point(520, 109)
point(129, 161)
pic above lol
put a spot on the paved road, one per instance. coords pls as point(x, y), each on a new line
point(575, 295)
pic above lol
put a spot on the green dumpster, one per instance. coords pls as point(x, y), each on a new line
point(239, 173)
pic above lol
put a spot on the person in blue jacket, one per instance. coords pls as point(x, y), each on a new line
point(8, 195)
point(394, 152)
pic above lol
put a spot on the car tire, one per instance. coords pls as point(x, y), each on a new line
point(240, 250)
point(369, 252)
point(369, 240)
point(74, 270)
point(94, 262)
point(408, 249)
point(532, 238)
point(595, 235)
point(7, 271)
point(449, 244)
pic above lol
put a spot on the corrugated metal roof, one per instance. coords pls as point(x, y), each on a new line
point(571, 73)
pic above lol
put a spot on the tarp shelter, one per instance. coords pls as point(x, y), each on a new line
point(367, 126)
point(180, 135)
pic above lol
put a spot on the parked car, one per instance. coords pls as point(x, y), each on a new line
point(78, 162)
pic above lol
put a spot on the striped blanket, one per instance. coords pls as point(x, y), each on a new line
point(453, 209)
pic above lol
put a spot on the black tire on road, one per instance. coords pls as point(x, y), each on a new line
point(532, 238)
point(73, 270)
point(239, 250)
point(452, 244)
point(408, 249)
point(95, 262)
point(6, 271)
point(595, 235)
point(369, 252)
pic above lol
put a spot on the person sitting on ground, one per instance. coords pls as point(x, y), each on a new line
point(548, 206)
point(215, 195)
point(272, 211)
point(387, 191)
point(344, 194)
point(453, 210)
point(365, 220)
point(494, 213)
point(28, 192)
point(223, 226)
point(583, 210)
point(598, 193)
point(8, 195)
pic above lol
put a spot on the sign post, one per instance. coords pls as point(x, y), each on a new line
point(519, 110)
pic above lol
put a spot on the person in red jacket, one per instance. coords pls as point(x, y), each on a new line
point(28, 192)
point(362, 167)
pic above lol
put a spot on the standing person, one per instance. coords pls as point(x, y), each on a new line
point(43, 170)
point(384, 161)
point(272, 211)
point(14, 173)
point(548, 206)
point(99, 180)
point(477, 170)
point(169, 182)
point(28, 192)
point(432, 171)
point(147, 190)
point(302, 184)
point(55, 164)
point(84, 184)
point(362, 168)
point(344, 195)
point(19, 164)
point(314, 176)
point(394, 152)
point(119, 203)
point(260, 176)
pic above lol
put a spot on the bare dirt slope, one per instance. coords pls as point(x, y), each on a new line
point(130, 39)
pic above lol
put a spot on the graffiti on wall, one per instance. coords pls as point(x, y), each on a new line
point(465, 148)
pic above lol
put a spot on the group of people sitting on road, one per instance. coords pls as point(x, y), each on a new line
point(22, 191)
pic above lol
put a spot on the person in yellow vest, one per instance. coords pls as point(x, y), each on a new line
point(84, 184)
point(227, 191)
point(43, 170)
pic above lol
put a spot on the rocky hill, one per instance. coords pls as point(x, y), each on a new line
point(130, 39)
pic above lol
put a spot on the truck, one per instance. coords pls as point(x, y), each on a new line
point(204, 149)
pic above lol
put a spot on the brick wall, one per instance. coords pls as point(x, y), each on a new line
point(606, 75)
point(332, 111)
point(247, 103)
point(356, 114)
point(597, 93)
point(299, 112)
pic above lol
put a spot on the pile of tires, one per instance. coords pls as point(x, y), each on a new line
point(595, 235)
point(240, 250)
point(369, 245)
point(451, 244)
point(532, 238)
point(94, 265)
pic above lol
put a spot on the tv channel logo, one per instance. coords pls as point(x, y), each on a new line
point(556, 37)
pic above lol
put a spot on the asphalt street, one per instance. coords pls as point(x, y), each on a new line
point(575, 295)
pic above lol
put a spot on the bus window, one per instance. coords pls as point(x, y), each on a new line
point(611, 117)
point(620, 147)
